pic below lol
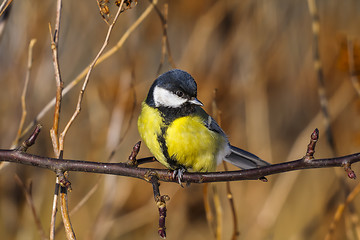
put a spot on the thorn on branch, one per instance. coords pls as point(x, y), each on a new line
point(311, 147)
point(351, 174)
point(135, 151)
point(31, 140)
point(160, 203)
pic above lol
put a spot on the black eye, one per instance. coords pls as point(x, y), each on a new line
point(179, 93)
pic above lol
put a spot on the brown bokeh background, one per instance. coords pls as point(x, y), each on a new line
point(257, 54)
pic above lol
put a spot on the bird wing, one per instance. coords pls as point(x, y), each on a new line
point(209, 122)
point(244, 159)
point(238, 157)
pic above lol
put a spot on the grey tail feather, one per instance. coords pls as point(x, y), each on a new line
point(244, 159)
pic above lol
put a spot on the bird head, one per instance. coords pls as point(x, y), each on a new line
point(173, 89)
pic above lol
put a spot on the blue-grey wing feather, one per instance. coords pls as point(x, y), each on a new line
point(244, 159)
point(238, 157)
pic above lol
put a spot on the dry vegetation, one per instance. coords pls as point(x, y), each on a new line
point(257, 54)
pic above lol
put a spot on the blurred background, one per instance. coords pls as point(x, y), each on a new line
point(257, 54)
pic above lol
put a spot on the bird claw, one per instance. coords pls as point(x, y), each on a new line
point(178, 175)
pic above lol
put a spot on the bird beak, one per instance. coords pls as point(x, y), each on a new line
point(195, 101)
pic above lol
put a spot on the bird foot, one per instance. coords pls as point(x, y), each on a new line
point(178, 175)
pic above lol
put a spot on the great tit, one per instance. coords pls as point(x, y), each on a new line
point(180, 134)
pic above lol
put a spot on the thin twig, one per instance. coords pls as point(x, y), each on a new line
point(59, 142)
point(63, 199)
point(58, 80)
point(81, 75)
point(23, 105)
point(54, 210)
point(65, 186)
point(23, 95)
point(30, 202)
point(86, 81)
point(132, 158)
point(70, 234)
point(31, 140)
point(160, 201)
point(320, 73)
point(311, 147)
point(59, 88)
point(81, 203)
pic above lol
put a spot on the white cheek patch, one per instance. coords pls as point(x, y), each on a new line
point(165, 98)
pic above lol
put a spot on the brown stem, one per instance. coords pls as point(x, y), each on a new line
point(160, 202)
point(31, 140)
point(311, 147)
point(70, 234)
point(54, 210)
point(123, 169)
point(59, 82)
point(320, 73)
point(23, 95)
point(132, 158)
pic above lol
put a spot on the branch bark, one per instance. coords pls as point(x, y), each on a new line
point(123, 169)
point(130, 168)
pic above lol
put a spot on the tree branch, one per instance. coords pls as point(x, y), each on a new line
point(127, 169)
point(123, 169)
point(160, 201)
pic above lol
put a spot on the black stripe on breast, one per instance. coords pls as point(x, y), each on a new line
point(171, 160)
point(169, 115)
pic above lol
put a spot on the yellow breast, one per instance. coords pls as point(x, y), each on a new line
point(149, 126)
point(187, 139)
point(193, 144)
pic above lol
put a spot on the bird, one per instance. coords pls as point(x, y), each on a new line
point(180, 134)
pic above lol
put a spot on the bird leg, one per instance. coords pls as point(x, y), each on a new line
point(178, 174)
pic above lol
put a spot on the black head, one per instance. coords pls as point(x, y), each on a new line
point(173, 89)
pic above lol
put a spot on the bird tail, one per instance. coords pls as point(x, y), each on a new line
point(244, 159)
